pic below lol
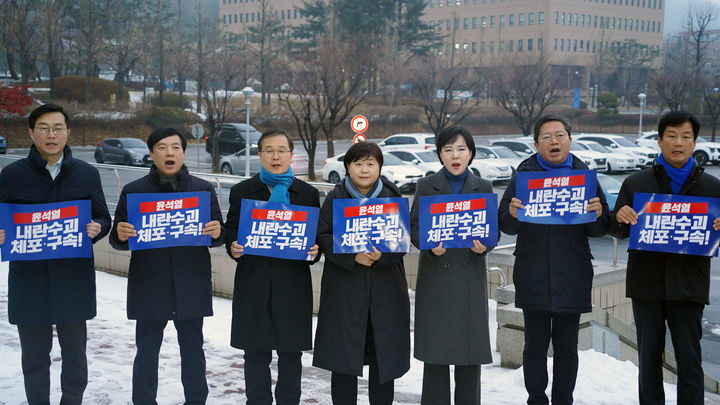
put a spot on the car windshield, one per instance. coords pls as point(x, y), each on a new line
point(597, 147)
point(392, 160)
point(133, 143)
point(623, 142)
point(577, 146)
point(700, 139)
point(241, 152)
point(609, 184)
point(430, 140)
point(506, 153)
point(428, 156)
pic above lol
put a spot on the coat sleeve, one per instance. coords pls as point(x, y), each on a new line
point(625, 197)
point(232, 220)
point(216, 215)
point(100, 213)
point(414, 218)
point(600, 226)
point(506, 222)
point(315, 202)
point(120, 216)
point(325, 236)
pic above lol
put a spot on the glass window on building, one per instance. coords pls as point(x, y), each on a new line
point(531, 18)
point(562, 18)
point(440, 3)
point(241, 20)
point(432, 3)
point(474, 23)
point(224, 19)
point(555, 18)
point(521, 20)
point(466, 47)
point(492, 46)
point(541, 18)
point(575, 19)
point(581, 45)
point(530, 45)
point(594, 46)
point(575, 45)
point(594, 21)
point(511, 20)
point(439, 25)
point(457, 23)
point(582, 20)
point(482, 47)
point(457, 48)
point(492, 21)
point(520, 45)
point(447, 24)
point(501, 46)
point(466, 23)
point(502, 21)
point(474, 46)
point(511, 46)
point(562, 44)
point(540, 44)
point(483, 22)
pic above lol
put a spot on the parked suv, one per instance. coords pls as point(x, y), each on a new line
point(644, 156)
point(126, 151)
point(403, 141)
point(3, 145)
point(705, 151)
point(231, 138)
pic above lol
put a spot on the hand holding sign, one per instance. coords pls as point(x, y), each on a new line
point(2, 236)
point(439, 250)
point(478, 247)
point(125, 231)
point(92, 229)
point(236, 250)
point(515, 204)
point(627, 215)
point(213, 229)
point(594, 205)
point(368, 258)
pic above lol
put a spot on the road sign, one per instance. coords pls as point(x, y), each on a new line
point(359, 138)
point(197, 131)
point(359, 124)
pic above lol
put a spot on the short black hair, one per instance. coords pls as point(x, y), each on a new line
point(550, 118)
point(677, 118)
point(362, 150)
point(161, 133)
point(44, 109)
point(275, 132)
point(450, 135)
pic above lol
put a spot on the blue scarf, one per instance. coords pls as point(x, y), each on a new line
point(551, 166)
point(355, 193)
point(280, 184)
point(456, 182)
point(678, 177)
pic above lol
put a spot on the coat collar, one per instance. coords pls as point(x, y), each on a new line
point(441, 185)
point(664, 180)
point(255, 185)
point(39, 163)
point(531, 164)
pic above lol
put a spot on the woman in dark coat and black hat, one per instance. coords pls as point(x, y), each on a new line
point(364, 315)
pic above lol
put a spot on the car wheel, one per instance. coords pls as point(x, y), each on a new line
point(334, 178)
point(701, 157)
point(127, 161)
point(99, 157)
point(226, 168)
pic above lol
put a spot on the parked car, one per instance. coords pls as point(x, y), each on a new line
point(501, 152)
point(402, 141)
point(593, 160)
point(395, 170)
point(644, 156)
point(705, 151)
point(425, 160)
point(231, 138)
point(235, 163)
point(126, 151)
point(428, 161)
point(522, 146)
point(616, 162)
point(3, 145)
point(611, 188)
point(491, 169)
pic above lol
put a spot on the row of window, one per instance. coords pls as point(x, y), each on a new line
point(562, 45)
point(587, 46)
point(615, 23)
point(251, 17)
point(657, 4)
point(503, 46)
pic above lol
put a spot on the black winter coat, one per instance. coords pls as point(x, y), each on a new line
point(658, 275)
point(351, 294)
point(553, 269)
point(171, 282)
point(272, 298)
point(58, 290)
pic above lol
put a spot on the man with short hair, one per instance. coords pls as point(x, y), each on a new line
point(60, 292)
point(169, 283)
point(552, 272)
point(273, 298)
point(668, 287)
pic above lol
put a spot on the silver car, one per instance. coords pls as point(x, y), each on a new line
point(235, 163)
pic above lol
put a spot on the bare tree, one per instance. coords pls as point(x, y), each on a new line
point(20, 31)
point(204, 34)
point(53, 15)
point(89, 18)
point(443, 91)
point(526, 87)
point(128, 43)
point(699, 18)
point(712, 107)
point(267, 41)
point(628, 58)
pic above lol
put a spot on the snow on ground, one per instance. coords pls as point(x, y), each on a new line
point(601, 379)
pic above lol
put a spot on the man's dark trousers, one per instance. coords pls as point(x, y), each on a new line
point(36, 343)
point(540, 327)
point(684, 319)
point(148, 339)
point(258, 383)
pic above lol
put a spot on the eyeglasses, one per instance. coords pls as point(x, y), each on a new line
point(560, 136)
point(279, 152)
point(47, 130)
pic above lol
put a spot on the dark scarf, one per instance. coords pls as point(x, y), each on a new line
point(355, 193)
point(456, 182)
point(678, 177)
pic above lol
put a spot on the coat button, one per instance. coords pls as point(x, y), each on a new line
point(446, 265)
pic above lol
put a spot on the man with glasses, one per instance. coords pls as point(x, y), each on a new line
point(272, 298)
point(552, 272)
point(60, 292)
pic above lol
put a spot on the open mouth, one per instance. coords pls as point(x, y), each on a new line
point(456, 165)
point(169, 163)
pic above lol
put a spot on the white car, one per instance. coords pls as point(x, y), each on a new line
point(705, 151)
point(616, 162)
point(235, 163)
point(425, 160)
point(526, 147)
point(644, 156)
point(413, 140)
point(395, 170)
point(503, 153)
point(592, 159)
point(428, 161)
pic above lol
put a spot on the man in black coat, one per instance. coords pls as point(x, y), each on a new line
point(60, 292)
point(668, 287)
point(272, 298)
point(170, 283)
point(552, 272)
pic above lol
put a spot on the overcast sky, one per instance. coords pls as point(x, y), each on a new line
point(676, 12)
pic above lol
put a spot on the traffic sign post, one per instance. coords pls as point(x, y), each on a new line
point(359, 124)
point(197, 131)
point(359, 138)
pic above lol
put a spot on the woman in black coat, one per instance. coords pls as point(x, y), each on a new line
point(364, 315)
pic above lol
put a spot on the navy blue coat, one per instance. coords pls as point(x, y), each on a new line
point(59, 290)
point(172, 282)
point(553, 269)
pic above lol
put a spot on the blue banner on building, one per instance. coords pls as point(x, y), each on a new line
point(273, 229)
point(359, 224)
point(556, 197)
point(168, 219)
point(46, 231)
point(675, 224)
point(458, 219)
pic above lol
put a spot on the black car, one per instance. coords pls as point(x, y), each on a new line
point(3, 145)
point(231, 138)
point(126, 151)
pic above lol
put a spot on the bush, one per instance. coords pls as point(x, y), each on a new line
point(172, 117)
point(608, 100)
point(171, 100)
point(608, 116)
point(72, 88)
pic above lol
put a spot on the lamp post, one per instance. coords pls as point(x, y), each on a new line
point(247, 91)
point(641, 97)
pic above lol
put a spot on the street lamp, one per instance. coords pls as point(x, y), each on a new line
point(641, 97)
point(247, 91)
